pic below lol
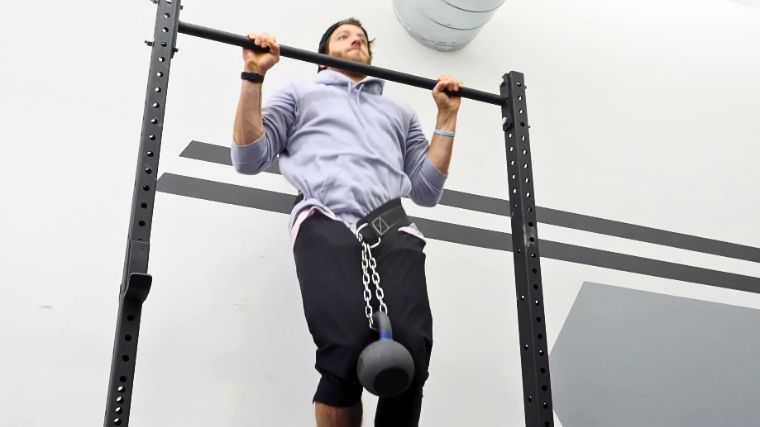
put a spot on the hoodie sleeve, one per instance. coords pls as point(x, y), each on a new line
point(427, 180)
point(278, 117)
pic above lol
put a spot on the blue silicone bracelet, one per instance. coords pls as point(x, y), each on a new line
point(444, 133)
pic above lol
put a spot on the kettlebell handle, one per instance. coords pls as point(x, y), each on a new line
point(382, 324)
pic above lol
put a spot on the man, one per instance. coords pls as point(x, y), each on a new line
point(352, 154)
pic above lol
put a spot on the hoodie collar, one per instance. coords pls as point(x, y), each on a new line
point(332, 77)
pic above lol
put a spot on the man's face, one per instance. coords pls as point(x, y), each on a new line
point(348, 42)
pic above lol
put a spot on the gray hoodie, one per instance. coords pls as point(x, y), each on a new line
point(344, 146)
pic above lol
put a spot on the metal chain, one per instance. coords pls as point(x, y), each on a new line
point(369, 263)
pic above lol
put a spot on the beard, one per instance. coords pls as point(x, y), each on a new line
point(353, 55)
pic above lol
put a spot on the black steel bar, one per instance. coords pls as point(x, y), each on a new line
point(330, 61)
point(136, 283)
point(534, 353)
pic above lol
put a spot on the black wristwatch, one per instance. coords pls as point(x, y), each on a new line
point(252, 77)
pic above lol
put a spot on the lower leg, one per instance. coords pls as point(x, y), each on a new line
point(400, 411)
point(334, 416)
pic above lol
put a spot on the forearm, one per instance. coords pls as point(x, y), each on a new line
point(441, 146)
point(248, 124)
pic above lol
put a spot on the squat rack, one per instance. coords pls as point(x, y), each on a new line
point(136, 282)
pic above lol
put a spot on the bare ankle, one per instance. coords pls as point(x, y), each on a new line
point(334, 416)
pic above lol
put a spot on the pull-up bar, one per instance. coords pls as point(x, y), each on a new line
point(331, 61)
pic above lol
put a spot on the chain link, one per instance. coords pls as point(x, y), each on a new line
point(367, 292)
point(369, 263)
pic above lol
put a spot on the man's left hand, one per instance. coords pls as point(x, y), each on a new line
point(446, 103)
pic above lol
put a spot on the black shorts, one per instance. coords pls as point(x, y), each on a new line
point(328, 263)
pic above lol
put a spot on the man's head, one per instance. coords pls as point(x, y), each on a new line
point(347, 39)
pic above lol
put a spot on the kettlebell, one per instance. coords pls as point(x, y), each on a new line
point(385, 367)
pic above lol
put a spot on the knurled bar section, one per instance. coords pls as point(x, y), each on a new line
point(133, 286)
point(534, 353)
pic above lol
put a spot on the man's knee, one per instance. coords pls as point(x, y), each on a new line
point(337, 392)
point(419, 342)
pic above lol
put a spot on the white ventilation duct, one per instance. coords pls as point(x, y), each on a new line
point(445, 24)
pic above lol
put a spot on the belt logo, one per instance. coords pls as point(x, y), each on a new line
point(380, 225)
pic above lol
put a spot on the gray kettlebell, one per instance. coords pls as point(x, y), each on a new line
point(385, 367)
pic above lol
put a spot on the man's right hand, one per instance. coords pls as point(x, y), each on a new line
point(261, 62)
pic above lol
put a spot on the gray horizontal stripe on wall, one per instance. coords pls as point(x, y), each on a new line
point(488, 239)
point(221, 155)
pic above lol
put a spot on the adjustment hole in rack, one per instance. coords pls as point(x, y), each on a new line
point(123, 379)
point(521, 110)
point(519, 98)
point(165, 29)
point(142, 223)
point(528, 195)
point(127, 337)
point(161, 59)
point(148, 171)
point(154, 121)
point(538, 319)
point(535, 286)
point(119, 399)
point(514, 191)
point(525, 166)
point(118, 410)
point(509, 136)
point(144, 205)
point(522, 124)
point(522, 138)
point(530, 224)
point(543, 370)
point(117, 421)
point(156, 105)
point(125, 358)
point(152, 137)
point(532, 239)
point(530, 209)
point(535, 271)
point(159, 74)
point(149, 154)
point(121, 389)
point(540, 336)
point(167, 15)
point(544, 387)
point(519, 84)
point(130, 318)
point(527, 180)
point(514, 176)
point(146, 187)
point(157, 89)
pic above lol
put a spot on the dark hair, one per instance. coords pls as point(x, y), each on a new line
point(324, 43)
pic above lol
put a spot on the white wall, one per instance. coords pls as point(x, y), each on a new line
point(642, 111)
